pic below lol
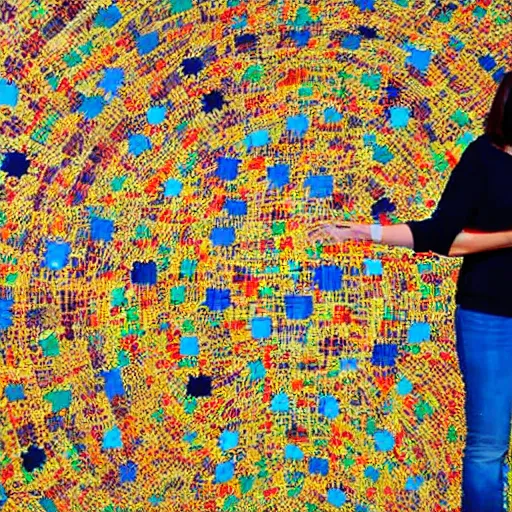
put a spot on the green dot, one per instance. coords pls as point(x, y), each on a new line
point(11, 278)
point(253, 73)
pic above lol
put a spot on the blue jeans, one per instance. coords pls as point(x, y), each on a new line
point(484, 349)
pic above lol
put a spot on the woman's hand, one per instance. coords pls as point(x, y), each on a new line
point(339, 232)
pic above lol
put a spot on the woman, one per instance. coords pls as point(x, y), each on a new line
point(477, 197)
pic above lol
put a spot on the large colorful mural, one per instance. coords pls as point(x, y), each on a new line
point(170, 339)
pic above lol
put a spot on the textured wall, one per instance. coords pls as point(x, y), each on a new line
point(169, 339)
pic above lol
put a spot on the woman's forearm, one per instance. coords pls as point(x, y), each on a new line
point(470, 243)
point(465, 242)
point(396, 234)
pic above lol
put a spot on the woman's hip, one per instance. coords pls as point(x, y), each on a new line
point(479, 326)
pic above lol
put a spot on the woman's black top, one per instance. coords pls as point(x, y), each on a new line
point(478, 196)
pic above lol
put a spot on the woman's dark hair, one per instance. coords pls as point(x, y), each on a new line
point(498, 125)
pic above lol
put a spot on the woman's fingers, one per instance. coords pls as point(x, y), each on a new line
point(319, 234)
point(315, 234)
point(332, 232)
point(337, 234)
point(318, 230)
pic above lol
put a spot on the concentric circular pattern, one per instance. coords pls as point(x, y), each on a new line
point(170, 339)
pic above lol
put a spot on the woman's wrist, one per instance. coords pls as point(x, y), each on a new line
point(376, 233)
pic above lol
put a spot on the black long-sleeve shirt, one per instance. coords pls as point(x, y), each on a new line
point(478, 196)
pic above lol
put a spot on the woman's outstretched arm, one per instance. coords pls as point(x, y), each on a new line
point(465, 242)
point(443, 233)
point(401, 235)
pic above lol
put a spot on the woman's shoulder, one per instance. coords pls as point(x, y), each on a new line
point(485, 142)
point(481, 144)
point(476, 152)
point(482, 140)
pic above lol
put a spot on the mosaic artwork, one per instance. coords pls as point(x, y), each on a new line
point(170, 339)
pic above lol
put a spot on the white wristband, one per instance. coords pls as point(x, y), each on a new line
point(376, 232)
